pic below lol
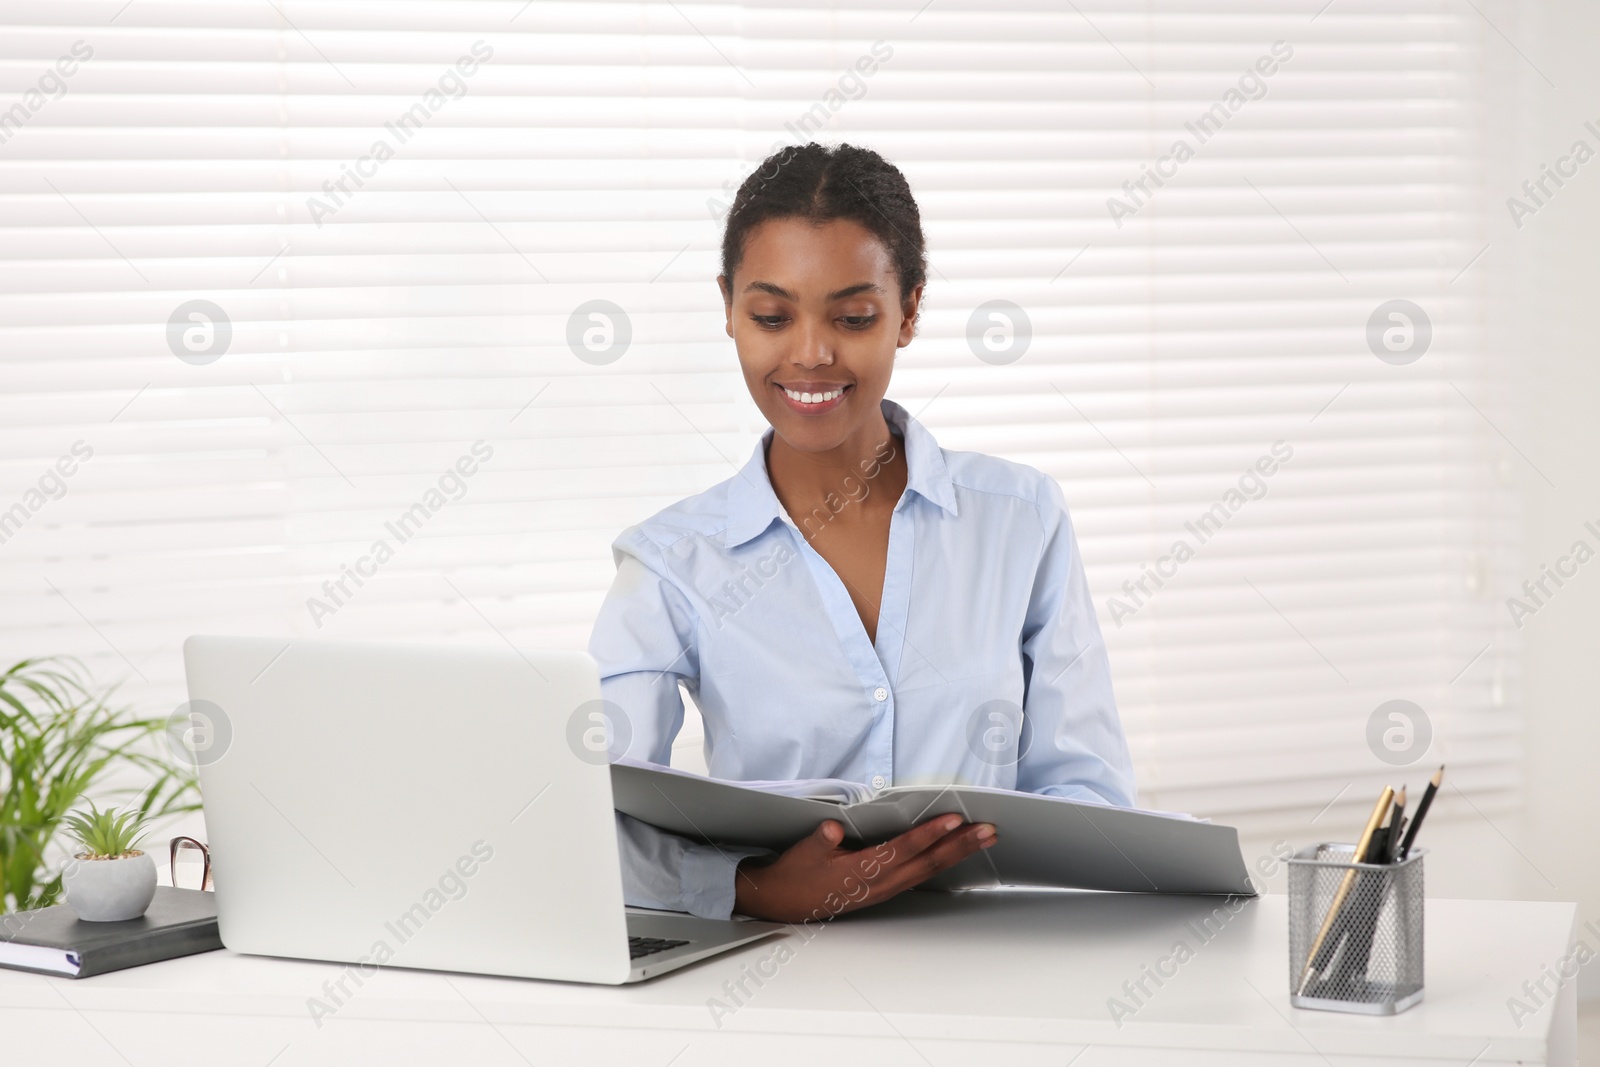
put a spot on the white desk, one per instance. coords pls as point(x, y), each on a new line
point(1013, 978)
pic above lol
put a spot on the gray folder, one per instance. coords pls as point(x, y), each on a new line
point(1043, 840)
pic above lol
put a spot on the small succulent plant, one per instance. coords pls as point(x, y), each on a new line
point(108, 834)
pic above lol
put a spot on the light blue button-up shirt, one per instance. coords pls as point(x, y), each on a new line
point(988, 667)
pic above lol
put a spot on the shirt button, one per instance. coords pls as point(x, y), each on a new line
point(878, 779)
point(880, 693)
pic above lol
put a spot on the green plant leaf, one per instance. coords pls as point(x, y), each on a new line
point(59, 741)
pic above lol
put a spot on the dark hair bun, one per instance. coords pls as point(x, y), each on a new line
point(821, 183)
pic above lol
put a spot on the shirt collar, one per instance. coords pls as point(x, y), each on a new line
point(752, 504)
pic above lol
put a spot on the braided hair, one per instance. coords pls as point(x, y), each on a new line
point(819, 183)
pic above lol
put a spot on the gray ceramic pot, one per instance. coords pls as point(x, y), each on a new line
point(110, 890)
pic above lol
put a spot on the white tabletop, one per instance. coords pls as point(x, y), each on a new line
point(926, 978)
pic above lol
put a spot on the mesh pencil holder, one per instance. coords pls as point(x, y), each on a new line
point(1369, 959)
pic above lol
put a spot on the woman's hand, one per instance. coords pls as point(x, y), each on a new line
point(816, 879)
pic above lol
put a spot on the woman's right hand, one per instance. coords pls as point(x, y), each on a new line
point(816, 879)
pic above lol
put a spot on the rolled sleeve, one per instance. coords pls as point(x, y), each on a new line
point(665, 871)
point(1077, 749)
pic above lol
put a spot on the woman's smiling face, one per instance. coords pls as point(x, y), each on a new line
point(816, 315)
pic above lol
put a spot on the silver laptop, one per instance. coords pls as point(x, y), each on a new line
point(420, 806)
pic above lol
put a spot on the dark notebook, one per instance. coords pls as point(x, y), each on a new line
point(53, 940)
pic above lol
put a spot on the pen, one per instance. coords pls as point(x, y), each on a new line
point(1373, 820)
point(1358, 949)
point(1391, 840)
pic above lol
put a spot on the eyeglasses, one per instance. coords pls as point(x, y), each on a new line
point(188, 846)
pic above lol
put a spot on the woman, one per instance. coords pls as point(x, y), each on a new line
point(857, 602)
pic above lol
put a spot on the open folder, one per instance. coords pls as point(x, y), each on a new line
point(1042, 840)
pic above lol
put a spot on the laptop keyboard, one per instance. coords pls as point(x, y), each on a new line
point(647, 946)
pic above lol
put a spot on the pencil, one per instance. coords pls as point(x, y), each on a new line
point(1422, 809)
point(1378, 810)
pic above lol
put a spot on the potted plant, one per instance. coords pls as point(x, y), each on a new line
point(61, 740)
point(109, 879)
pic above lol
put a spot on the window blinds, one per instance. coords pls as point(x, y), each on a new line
point(381, 320)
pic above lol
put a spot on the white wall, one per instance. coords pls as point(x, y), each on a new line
point(1558, 305)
